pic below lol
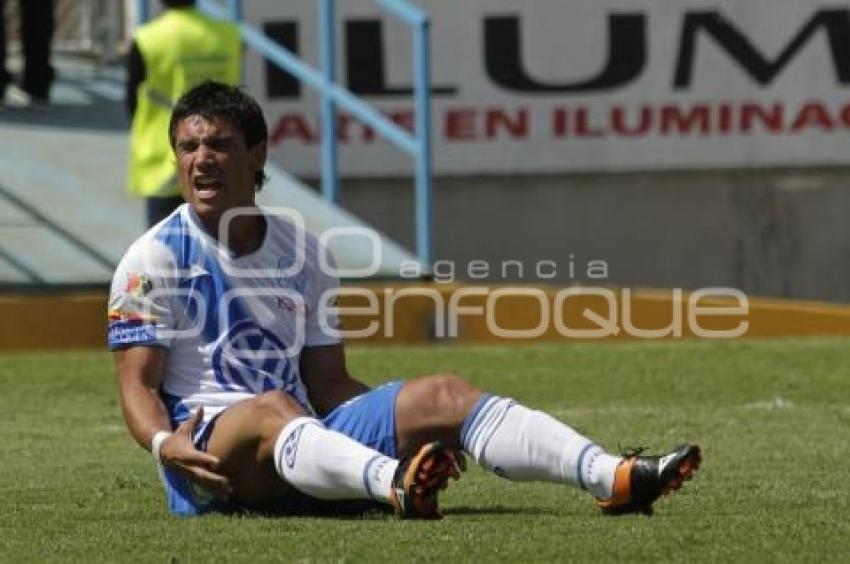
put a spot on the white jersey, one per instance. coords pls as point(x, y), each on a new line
point(233, 327)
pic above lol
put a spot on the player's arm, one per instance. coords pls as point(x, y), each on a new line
point(140, 370)
point(323, 369)
point(326, 377)
point(139, 375)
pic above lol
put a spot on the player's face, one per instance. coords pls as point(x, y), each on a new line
point(215, 166)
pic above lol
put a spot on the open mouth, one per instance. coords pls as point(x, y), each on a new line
point(206, 186)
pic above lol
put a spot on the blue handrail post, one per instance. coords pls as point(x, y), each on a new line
point(416, 144)
point(143, 12)
point(330, 172)
point(422, 65)
point(234, 10)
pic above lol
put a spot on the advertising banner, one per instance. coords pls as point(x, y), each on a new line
point(551, 86)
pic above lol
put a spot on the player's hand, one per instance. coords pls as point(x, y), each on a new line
point(179, 452)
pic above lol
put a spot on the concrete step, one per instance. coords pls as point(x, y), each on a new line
point(65, 216)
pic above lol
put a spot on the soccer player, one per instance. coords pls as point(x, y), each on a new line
point(231, 375)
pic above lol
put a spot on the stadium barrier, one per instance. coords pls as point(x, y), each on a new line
point(400, 313)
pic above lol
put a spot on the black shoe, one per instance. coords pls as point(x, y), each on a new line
point(640, 480)
point(418, 479)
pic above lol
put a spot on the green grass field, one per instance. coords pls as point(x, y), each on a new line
point(773, 418)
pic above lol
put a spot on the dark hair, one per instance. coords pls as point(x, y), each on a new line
point(214, 100)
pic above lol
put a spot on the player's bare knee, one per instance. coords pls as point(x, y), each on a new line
point(454, 396)
point(278, 404)
point(273, 410)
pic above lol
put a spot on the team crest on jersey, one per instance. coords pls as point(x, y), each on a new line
point(250, 357)
point(138, 284)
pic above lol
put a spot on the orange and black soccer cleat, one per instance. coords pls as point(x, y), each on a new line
point(419, 478)
point(640, 480)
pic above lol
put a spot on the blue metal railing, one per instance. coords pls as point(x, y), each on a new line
point(417, 144)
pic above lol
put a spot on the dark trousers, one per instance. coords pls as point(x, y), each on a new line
point(36, 37)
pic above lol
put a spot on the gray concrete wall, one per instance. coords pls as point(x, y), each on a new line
point(781, 233)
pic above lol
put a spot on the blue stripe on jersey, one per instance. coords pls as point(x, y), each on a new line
point(204, 276)
point(187, 252)
point(178, 412)
point(208, 281)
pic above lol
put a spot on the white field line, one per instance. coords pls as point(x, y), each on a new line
point(769, 404)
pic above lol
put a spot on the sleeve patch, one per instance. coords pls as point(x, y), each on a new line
point(131, 332)
point(138, 284)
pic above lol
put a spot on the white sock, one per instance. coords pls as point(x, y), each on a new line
point(525, 445)
point(329, 465)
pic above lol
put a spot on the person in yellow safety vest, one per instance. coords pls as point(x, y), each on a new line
point(168, 56)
